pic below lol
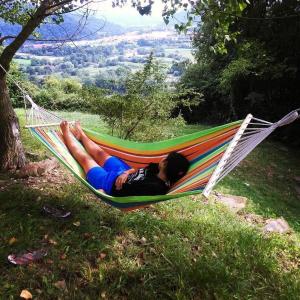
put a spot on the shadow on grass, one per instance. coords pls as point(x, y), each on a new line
point(266, 178)
point(183, 250)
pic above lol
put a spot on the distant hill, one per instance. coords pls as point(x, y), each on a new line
point(93, 28)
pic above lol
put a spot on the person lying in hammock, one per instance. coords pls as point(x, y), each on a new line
point(113, 176)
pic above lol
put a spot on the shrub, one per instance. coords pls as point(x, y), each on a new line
point(61, 94)
point(144, 111)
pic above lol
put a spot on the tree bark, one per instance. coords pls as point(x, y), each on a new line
point(12, 154)
point(11, 150)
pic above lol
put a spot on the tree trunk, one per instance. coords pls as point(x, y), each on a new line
point(11, 150)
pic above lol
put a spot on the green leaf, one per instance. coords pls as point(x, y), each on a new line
point(227, 38)
point(242, 5)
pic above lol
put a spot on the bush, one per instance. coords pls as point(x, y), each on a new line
point(15, 94)
point(61, 94)
point(144, 111)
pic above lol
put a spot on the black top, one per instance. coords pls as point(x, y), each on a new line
point(142, 183)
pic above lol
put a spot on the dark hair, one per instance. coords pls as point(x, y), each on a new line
point(177, 166)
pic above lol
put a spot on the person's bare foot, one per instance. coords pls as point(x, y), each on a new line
point(76, 132)
point(64, 126)
point(78, 128)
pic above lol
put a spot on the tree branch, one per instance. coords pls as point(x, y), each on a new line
point(7, 37)
point(45, 9)
point(53, 8)
point(60, 5)
point(138, 120)
point(9, 52)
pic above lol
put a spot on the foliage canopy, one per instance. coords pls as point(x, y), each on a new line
point(258, 69)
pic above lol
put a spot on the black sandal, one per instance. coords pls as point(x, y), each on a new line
point(56, 212)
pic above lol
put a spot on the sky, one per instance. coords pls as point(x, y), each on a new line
point(127, 15)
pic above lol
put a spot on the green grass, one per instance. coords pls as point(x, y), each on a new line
point(184, 52)
point(182, 249)
point(266, 177)
point(21, 61)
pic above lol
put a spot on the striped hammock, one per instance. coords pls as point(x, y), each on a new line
point(212, 153)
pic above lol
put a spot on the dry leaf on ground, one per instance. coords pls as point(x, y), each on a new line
point(143, 240)
point(77, 224)
point(52, 242)
point(12, 241)
point(25, 294)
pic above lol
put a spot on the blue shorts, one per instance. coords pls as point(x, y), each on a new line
point(104, 178)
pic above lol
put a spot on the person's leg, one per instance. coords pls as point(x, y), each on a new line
point(84, 159)
point(98, 154)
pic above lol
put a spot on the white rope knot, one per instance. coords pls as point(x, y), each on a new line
point(289, 118)
point(33, 105)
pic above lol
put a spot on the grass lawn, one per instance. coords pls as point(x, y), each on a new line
point(181, 249)
point(24, 62)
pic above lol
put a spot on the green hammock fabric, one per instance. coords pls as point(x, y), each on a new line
point(204, 150)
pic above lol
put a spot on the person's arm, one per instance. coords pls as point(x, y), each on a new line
point(130, 171)
point(142, 188)
point(121, 179)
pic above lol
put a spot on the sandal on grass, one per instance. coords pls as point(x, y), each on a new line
point(57, 212)
point(27, 258)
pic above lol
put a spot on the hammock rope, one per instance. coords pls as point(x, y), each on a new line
point(252, 137)
point(213, 153)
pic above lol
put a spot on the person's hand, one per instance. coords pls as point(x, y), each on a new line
point(121, 179)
